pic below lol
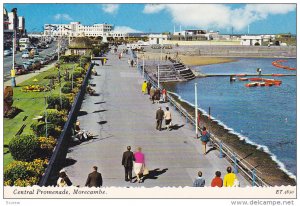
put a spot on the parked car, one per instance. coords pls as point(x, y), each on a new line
point(28, 66)
point(7, 52)
point(20, 69)
point(36, 64)
point(25, 54)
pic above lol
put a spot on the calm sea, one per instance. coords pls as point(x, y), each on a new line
point(264, 115)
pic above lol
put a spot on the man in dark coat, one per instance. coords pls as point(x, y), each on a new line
point(159, 118)
point(94, 179)
point(127, 162)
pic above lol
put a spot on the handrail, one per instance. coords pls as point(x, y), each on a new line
point(60, 149)
point(241, 164)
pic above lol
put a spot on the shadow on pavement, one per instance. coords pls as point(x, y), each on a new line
point(211, 149)
point(82, 113)
point(103, 110)
point(99, 102)
point(69, 162)
point(102, 122)
point(153, 174)
point(176, 127)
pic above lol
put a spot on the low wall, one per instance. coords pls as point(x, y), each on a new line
point(59, 154)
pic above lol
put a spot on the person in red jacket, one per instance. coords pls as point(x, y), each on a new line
point(217, 181)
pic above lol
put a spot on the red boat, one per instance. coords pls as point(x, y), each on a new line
point(243, 79)
point(255, 79)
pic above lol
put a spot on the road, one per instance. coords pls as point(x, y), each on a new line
point(120, 115)
point(7, 61)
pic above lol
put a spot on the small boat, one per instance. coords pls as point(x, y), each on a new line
point(255, 79)
point(273, 81)
point(252, 84)
point(243, 79)
point(278, 75)
point(262, 84)
point(241, 75)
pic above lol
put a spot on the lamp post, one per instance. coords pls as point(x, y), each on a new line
point(72, 75)
point(158, 76)
point(13, 71)
point(196, 111)
point(143, 66)
point(59, 81)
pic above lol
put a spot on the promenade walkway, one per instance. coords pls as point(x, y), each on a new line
point(120, 115)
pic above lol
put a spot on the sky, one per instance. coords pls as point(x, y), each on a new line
point(156, 18)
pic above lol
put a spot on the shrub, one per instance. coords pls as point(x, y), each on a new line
point(55, 117)
point(23, 174)
point(39, 129)
point(46, 146)
point(77, 74)
point(24, 147)
point(67, 88)
point(54, 102)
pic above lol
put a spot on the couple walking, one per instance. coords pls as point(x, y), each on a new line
point(138, 166)
point(160, 115)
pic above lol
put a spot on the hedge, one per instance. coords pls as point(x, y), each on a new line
point(24, 147)
point(54, 102)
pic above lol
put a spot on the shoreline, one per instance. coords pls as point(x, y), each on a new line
point(272, 172)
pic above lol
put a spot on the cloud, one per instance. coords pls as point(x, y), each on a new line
point(153, 8)
point(66, 17)
point(126, 29)
point(110, 8)
point(219, 16)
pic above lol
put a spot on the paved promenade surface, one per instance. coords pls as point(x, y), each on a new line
point(120, 116)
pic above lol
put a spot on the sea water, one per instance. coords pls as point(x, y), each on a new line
point(265, 116)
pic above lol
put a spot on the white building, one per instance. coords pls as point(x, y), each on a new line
point(75, 29)
point(251, 40)
point(157, 38)
point(256, 40)
point(21, 24)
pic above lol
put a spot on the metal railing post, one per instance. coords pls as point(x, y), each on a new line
point(235, 164)
point(221, 150)
point(253, 177)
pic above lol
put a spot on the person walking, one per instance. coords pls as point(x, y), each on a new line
point(139, 164)
point(164, 95)
point(128, 62)
point(204, 139)
point(144, 87)
point(127, 162)
point(148, 87)
point(94, 179)
point(152, 92)
point(168, 118)
point(63, 179)
point(217, 181)
point(199, 181)
point(132, 62)
point(229, 178)
point(159, 118)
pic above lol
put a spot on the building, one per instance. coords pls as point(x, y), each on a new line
point(21, 25)
point(195, 35)
point(256, 40)
point(157, 38)
point(76, 29)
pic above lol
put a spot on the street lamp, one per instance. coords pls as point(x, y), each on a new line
point(59, 81)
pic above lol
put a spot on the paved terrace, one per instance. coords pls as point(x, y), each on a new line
point(121, 115)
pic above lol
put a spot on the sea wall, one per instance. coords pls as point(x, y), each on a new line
point(230, 51)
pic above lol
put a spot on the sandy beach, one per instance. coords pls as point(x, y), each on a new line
point(268, 169)
point(189, 60)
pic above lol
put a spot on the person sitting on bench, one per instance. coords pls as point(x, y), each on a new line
point(89, 90)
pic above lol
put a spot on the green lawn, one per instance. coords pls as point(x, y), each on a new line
point(31, 104)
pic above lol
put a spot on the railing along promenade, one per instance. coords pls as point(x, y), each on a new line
point(248, 170)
